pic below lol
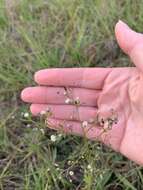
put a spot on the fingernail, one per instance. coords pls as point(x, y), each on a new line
point(123, 23)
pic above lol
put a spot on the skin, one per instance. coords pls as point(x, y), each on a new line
point(99, 90)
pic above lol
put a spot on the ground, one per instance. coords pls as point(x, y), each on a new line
point(36, 34)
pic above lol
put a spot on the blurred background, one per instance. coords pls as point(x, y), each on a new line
point(37, 34)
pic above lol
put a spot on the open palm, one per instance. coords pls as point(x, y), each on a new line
point(102, 92)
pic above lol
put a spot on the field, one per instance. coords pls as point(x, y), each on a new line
point(37, 34)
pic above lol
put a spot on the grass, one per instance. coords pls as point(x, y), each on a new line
point(36, 34)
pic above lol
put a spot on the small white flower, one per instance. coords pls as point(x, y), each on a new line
point(69, 162)
point(42, 131)
point(71, 173)
point(89, 167)
point(70, 180)
point(13, 117)
point(28, 125)
point(68, 101)
point(84, 124)
point(98, 147)
point(60, 177)
point(26, 115)
point(53, 138)
point(42, 112)
point(55, 164)
point(65, 93)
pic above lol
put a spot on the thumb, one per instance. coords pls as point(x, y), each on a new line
point(130, 42)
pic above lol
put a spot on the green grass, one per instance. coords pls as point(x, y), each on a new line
point(36, 34)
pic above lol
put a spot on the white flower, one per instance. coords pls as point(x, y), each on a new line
point(71, 173)
point(69, 162)
point(53, 138)
point(28, 125)
point(68, 101)
point(84, 124)
point(89, 167)
point(65, 93)
point(13, 117)
point(42, 131)
point(98, 147)
point(42, 112)
point(70, 180)
point(60, 177)
point(55, 164)
point(26, 115)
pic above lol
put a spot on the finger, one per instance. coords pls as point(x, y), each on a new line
point(66, 112)
point(131, 43)
point(55, 95)
point(74, 127)
point(92, 78)
point(112, 138)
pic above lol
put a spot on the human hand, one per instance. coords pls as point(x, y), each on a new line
point(112, 96)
